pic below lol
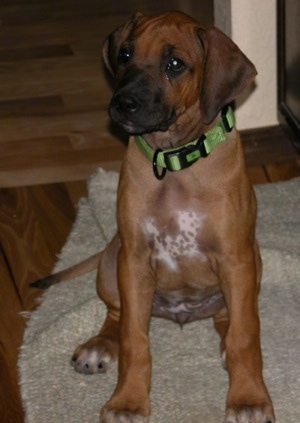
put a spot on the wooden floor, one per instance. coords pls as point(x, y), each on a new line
point(55, 133)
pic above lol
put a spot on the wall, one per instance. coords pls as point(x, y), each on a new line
point(252, 26)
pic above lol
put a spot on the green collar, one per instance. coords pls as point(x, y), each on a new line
point(179, 158)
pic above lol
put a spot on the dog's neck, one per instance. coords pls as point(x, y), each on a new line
point(175, 159)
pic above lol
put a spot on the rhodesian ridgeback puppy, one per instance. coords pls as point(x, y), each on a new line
point(185, 247)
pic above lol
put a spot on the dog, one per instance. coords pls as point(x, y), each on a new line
point(185, 247)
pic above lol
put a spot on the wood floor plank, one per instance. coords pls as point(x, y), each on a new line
point(32, 106)
point(257, 175)
point(283, 171)
point(11, 333)
point(11, 409)
point(77, 190)
point(267, 145)
point(32, 127)
point(33, 12)
point(50, 69)
point(62, 158)
point(90, 31)
point(11, 321)
point(72, 172)
point(34, 224)
point(10, 151)
point(35, 52)
point(47, 77)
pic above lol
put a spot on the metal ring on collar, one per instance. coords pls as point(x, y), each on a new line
point(158, 175)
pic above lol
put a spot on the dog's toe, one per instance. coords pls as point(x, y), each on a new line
point(122, 417)
point(250, 414)
point(94, 356)
point(90, 361)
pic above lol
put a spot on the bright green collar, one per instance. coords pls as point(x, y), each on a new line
point(179, 158)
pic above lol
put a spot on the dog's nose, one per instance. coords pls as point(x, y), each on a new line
point(126, 103)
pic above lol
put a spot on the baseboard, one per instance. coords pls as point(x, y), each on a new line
point(267, 145)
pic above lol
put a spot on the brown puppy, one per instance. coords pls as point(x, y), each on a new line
point(185, 247)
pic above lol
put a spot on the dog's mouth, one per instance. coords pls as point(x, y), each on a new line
point(141, 111)
point(142, 126)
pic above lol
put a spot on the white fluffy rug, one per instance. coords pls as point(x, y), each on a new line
point(189, 384)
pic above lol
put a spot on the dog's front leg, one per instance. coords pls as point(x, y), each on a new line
point(130, 400)
point(248, 399)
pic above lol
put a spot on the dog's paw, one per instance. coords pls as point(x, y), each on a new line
point(111, 416)
point(94, 356)
point(250, 414)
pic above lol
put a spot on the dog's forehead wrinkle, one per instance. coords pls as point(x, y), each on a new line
point(168, 51)
point(181, 39)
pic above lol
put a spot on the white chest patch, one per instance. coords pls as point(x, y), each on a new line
point(181, 241)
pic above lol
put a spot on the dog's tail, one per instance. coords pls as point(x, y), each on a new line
point(85, 266)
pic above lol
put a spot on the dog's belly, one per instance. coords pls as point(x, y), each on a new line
point(185, 310)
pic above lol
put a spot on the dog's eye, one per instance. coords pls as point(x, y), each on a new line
point(124, 56)
point(175, 66)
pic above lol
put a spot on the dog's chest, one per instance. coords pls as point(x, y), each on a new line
point(175, 238)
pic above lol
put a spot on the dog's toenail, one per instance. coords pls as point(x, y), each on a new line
point(100, 366)
point(86, 365)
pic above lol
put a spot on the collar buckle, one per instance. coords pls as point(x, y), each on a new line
point(185, 156)
point(201, 146)
point(181, 158)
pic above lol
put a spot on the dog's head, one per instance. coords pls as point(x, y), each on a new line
point(170, 73)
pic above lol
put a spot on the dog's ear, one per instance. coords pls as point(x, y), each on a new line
point(226, 72)
point(113, 42)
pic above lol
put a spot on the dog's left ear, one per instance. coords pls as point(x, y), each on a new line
point(113, 42)
point(226, 72)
